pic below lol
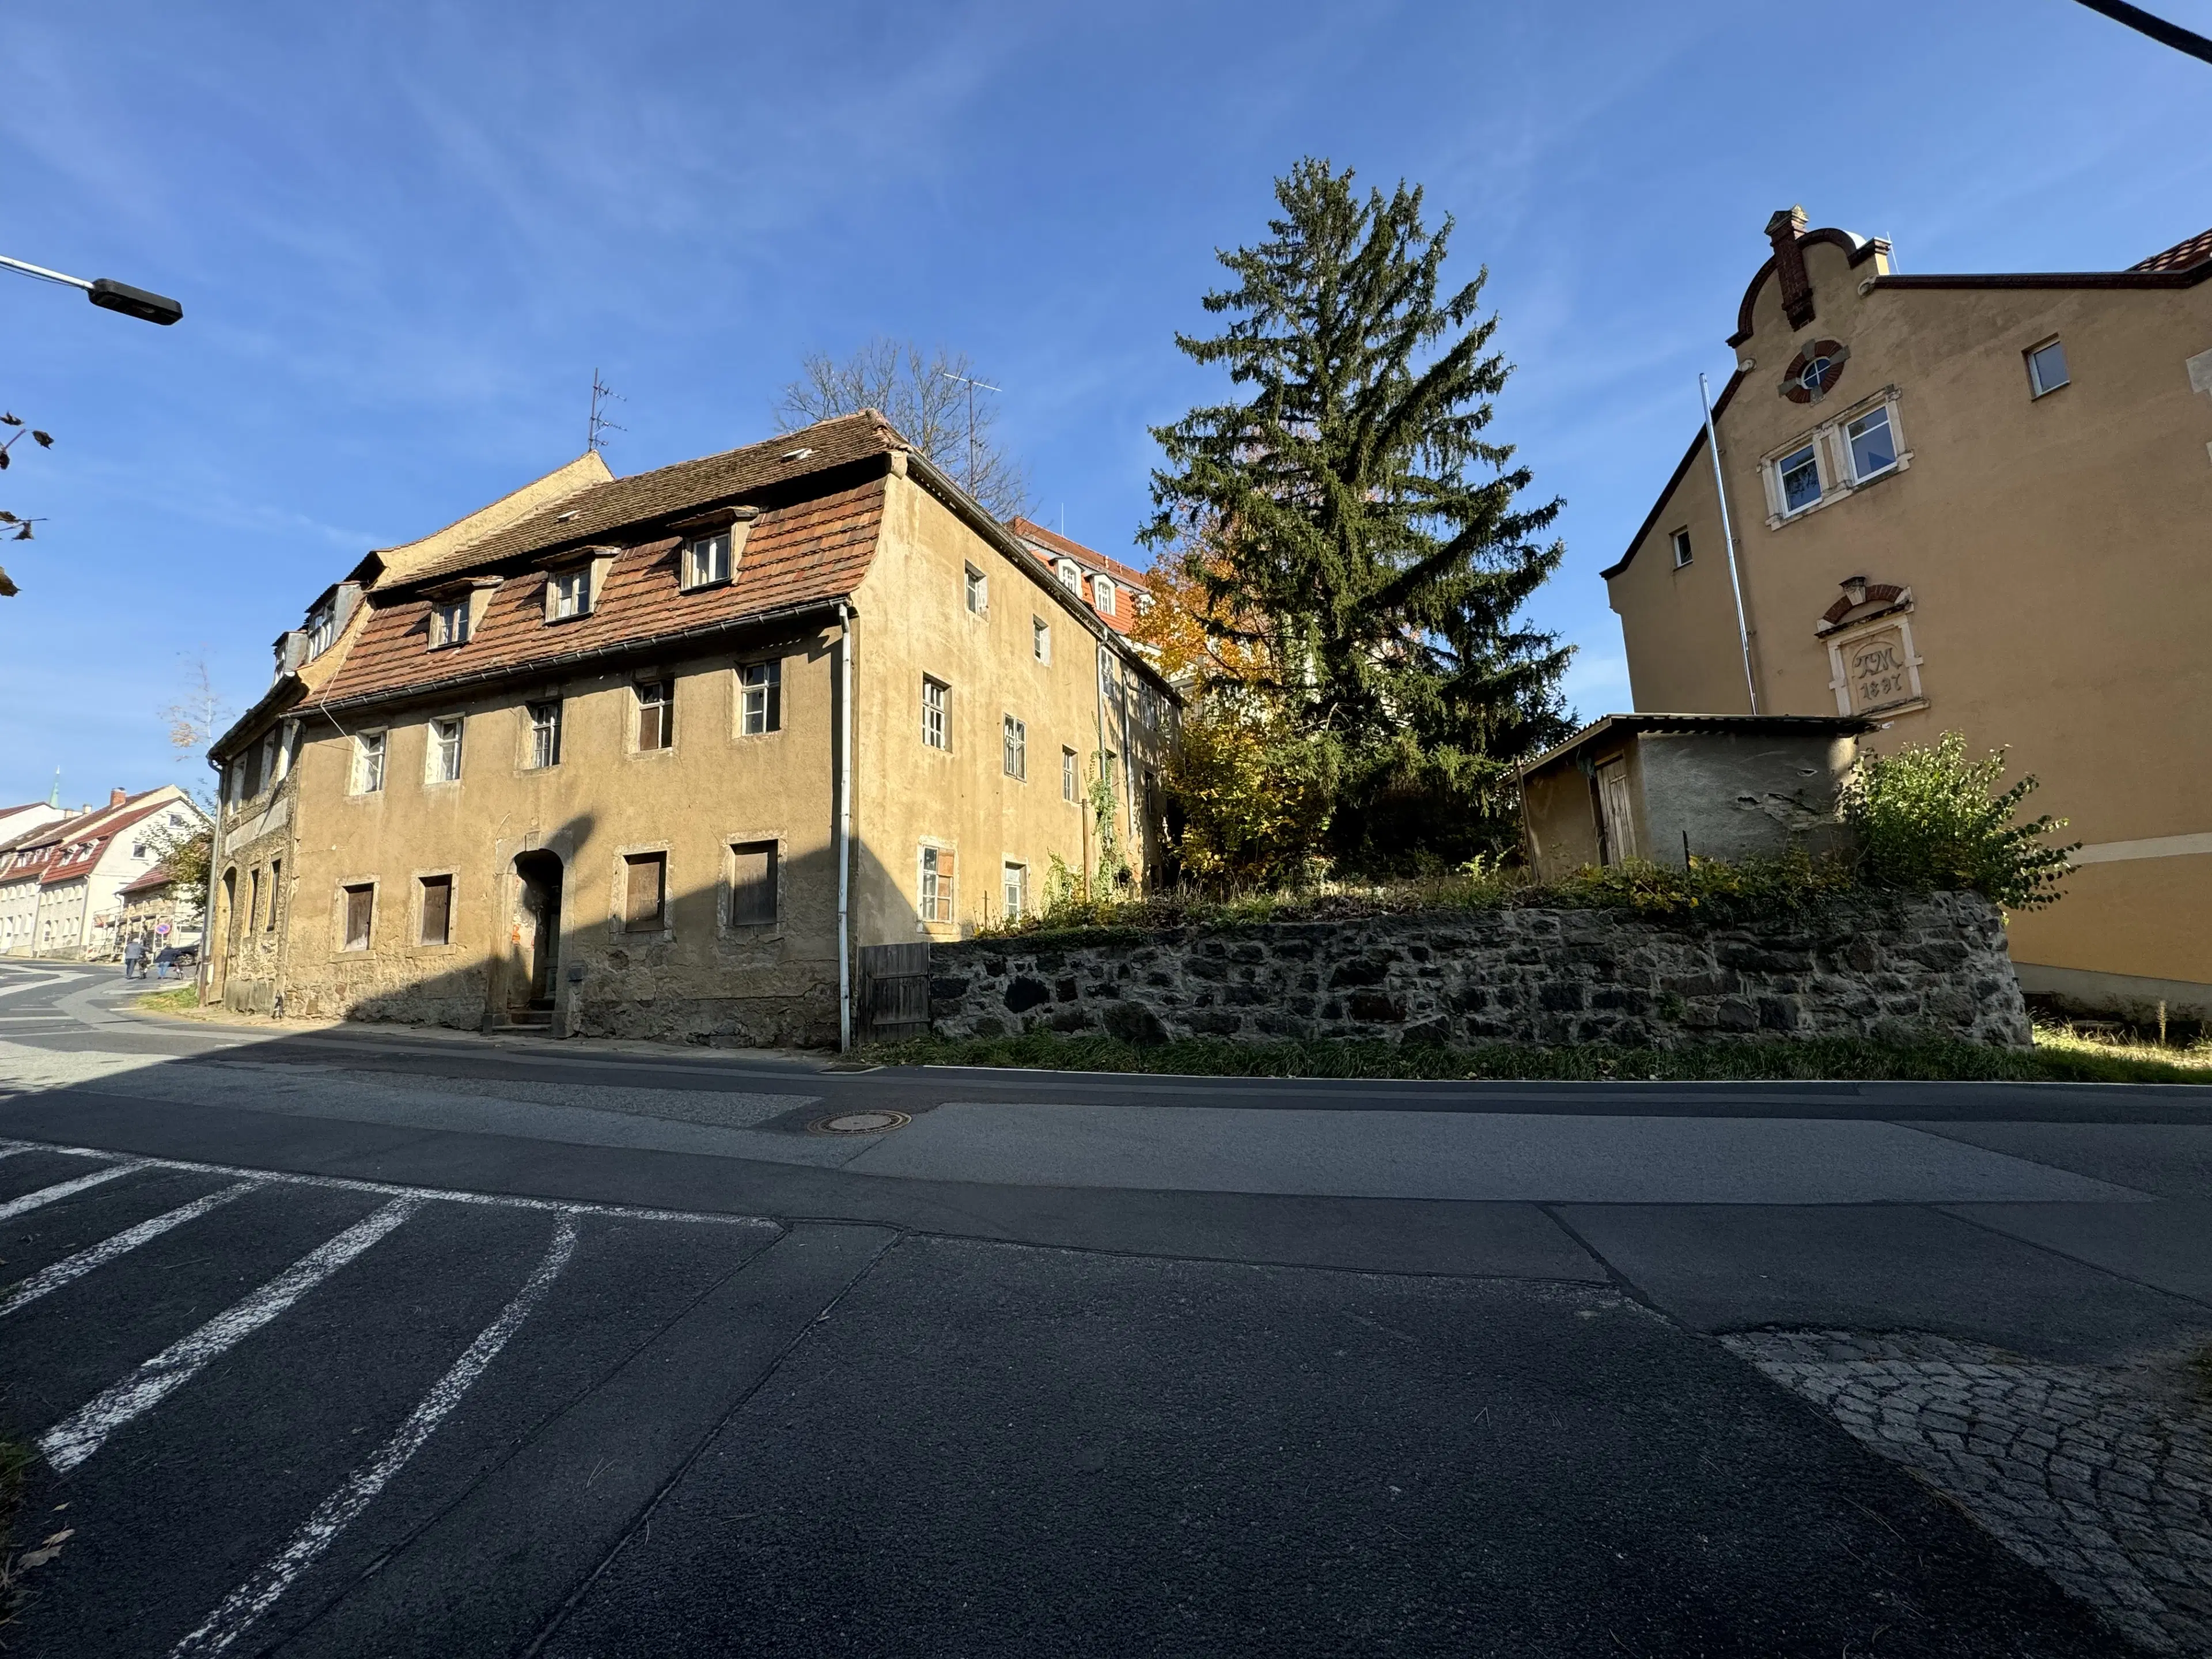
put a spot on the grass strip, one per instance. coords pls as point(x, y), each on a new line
point(1825, 1059)
point(182, 1000)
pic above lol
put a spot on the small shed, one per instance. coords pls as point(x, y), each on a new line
point(1665, 786)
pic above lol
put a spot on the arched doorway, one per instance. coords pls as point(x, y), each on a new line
point(536, 936)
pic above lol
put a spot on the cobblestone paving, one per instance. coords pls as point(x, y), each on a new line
point(2102, 1479)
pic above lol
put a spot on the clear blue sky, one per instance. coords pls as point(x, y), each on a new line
point(405, 234)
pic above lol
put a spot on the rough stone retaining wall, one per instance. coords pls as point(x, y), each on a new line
point(1888, 967)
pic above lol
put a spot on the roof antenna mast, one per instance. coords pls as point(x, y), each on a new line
point(974, 385)
point(602, 394)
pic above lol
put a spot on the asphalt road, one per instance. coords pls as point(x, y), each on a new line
point(391, 1342)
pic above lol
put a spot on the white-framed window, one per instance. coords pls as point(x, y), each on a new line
point(2046, 366)
point(1015, 748)
point(1069, 783)
point(935, 695)
point(568, 593)
point(1040, 638)
point(322, 630)
point(1014, 889)
point(936, 890)
point(368, 762)
point(760, 698)
point(977, 589)
point(544, 734)
point(449, 622)
point(1797, 474)
point(706, 560)
point(1070, 574)
point(442, 756)
point(1682, 540)
point(1870, 443)
point(656, 715)
point(1103, 594)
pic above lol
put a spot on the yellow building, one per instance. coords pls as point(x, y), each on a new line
point(1980, 504)
point(663, 756)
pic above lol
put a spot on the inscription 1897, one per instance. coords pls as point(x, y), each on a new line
point(1877, 670)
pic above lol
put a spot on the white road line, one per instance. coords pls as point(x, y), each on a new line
point(391, 1189)
point(246, 1604)
point(75, 1438)
point(45, 1195)
point(100, 1254)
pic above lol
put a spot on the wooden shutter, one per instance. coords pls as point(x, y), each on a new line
point(437, 910)
point(647, 875)
point(752, 882)
point(361, 902)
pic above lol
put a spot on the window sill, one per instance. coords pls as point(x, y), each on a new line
point(705, 587)
point(572, 617)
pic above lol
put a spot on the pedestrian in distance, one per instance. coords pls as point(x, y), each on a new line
point(134, 958)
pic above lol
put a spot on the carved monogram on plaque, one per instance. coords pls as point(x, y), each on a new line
point(1878, 670)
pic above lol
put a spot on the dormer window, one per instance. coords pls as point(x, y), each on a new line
point(449, 622)
point(1071, 575)
point(568, 593)
point(322, 630)
point(1103, 595)
point(706, 560)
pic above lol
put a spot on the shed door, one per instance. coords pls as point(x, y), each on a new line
point(1619, 815)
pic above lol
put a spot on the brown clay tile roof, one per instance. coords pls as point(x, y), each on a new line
point(2182, 256)
point(152, 880)
point(105, 826)
point(621, 503)
point(797, 554)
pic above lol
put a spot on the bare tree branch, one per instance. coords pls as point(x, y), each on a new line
point(919, 396)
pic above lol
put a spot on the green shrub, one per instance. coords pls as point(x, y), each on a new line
point(1931, 818)
point(1710, 887)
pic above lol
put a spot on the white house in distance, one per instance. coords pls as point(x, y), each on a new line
point(19, 821)
point(61, 884)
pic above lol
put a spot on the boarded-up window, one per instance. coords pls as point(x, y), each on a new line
point(359, 910)
point(645, 893)
point(253, 901)
point(656, 715)
point(752, 882)
point(937, 883)
point(437, 910)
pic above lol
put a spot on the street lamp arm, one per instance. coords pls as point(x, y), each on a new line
point(106, 293)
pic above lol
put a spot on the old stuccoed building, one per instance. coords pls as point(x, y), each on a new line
point(1889, 966)
point(662, 755)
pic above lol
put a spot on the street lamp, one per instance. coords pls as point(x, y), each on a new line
point(107, 294)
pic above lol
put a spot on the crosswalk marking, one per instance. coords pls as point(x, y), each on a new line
point(100, 1254)
point(246, 1604)
point(69, 1441)
point(45, 1195)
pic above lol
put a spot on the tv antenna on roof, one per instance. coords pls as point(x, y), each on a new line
point(974, 385)
point(602, 394)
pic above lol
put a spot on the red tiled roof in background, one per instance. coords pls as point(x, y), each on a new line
point(96, 838)
point(1052, 545)
point(794, 555)
point(2182, 256)
point(152, 881)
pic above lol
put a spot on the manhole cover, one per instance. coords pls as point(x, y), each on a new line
point(861, 1123)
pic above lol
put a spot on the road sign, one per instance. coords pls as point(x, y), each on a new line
point(161, 927)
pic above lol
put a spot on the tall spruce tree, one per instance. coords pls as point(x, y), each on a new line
point(1365, 535)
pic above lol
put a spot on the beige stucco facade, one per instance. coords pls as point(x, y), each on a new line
point(533, 866)
point(2031, 567)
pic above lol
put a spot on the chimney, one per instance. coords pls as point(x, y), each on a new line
point(1782, 230)
point(116, 797)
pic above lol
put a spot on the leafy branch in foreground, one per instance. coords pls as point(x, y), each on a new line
point(1929, 817)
